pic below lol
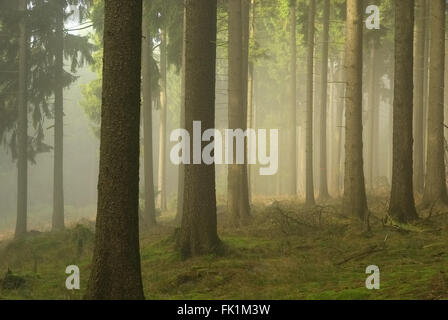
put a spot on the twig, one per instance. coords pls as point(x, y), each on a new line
point(362, 254)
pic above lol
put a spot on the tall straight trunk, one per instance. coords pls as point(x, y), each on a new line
point(435, 182)
point(354, 202)
point(373, 112)
point(181, 175)
point(426, 84)
point(323, 186)
point(330, 124)
point(309, 108)
point(198, 232)
point(116, 271)
point(22, 126)
point(149, 214)
point(237, 203)
point(58, 175)
point(390, 145)
point(402, 205)
point(292, 176)
point(162, 129)
point(419, 91)
point(316, 113)
point(338, 143)
point(250, 90)
point(245, 12)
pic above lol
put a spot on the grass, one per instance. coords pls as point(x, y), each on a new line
point(273, 258)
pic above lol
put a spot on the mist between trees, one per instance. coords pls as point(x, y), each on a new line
point(92, 93)
point(234, 142)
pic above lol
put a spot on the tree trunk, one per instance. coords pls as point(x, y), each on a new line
point(116, 271)
point(58, 177)
point(338, 143)
point(237, 202)
point(435, 182)
point(292, 175)
point(330, 124)
point(402, 205)
point(373, 111)
point(162, 129)
point(22, 126)
point(419, 91)
point(309, 109)
point(149, 213)
point(244, 195)
point(354, 202)
point(426, 84)
point(250, 91)
point(198, 233)
point(181, 176)
point(390, 115)
point(323, 186)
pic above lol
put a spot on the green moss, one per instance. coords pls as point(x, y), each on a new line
point(260, 262)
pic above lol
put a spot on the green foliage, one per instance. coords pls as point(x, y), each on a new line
point(40, 21)
point(161, 14)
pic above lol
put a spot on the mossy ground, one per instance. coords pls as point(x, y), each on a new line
point(288, 253)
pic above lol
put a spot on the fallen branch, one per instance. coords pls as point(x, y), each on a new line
point(370, 250)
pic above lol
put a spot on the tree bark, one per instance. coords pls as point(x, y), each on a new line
point(116, 271)
point(419, 91)
point(354, 202)
point(426, 83)
point(250, 91)
point(181, 176)
point(149, 213)
point(244, 195)
point(162, 129)
point(402, 205)
point(309, 108)
point(435, 182)
point(198, 233)
point(22, 126)
point(323, 186)
point(373, 112)
point(237, 200)
point(292, 176)
point(338, 143)
point(58, 175)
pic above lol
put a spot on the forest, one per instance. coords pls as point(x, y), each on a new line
point(223, 150)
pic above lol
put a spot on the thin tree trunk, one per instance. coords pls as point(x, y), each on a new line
point(316, 112)
point(402, 205)
point(373, 111)
point(292, 175)
point(309, 112)
point(198, 233)
point(426, 84)
point(22, 126)
point(419, 91)
point(355, 202)
point(149, 214)
point(58, 182)
point(435, 182)
point(237, 206)
point(244, 195)
point(339, 127)
point(330, 124)
point(181, 177)
point(116, 271)
point(323, 186)
point(162, 128)
point(250, 91)
point(390, 145)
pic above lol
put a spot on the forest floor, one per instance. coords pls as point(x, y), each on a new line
point(288, 252)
